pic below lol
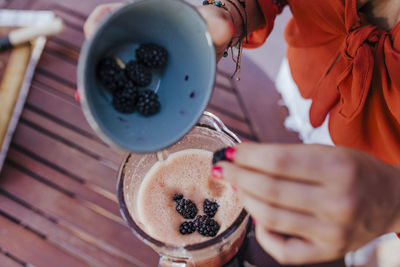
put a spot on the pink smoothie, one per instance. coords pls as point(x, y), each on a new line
point(185, 172)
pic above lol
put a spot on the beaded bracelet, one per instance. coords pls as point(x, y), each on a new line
point(239, 44)
point(244, 22)
point(215, 3)
point(221, 4)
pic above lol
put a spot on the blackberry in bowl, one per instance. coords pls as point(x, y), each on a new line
point(110, 74)
point(138, 73)
point(148, 103)
point(152, 55)
point(125, 98)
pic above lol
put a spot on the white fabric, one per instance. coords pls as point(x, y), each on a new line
point(298, 121)
point(16, 18)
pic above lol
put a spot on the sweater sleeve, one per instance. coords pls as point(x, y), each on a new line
point(270, 9)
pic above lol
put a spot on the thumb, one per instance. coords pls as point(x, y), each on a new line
point(98, 14)
point(221, 34)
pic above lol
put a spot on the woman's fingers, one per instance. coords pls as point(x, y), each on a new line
point(285, 221)
point(298, 162)
point(98, 14)
point(326, 196)
point(286, 193)
point(287, 250)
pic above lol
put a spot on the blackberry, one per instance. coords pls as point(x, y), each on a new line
point(187, 228)
point(186, 208)
point(148, 103)
point(210, 207)
point(124, 99)
point(206, 226)
point(110, 74)
point(152, 55)
point(177, 197)
point(138, 73)
point(219, 155)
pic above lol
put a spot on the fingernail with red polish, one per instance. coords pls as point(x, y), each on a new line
point(77, 97)
point(216, 172)
point(230, 153)
point(254, 221)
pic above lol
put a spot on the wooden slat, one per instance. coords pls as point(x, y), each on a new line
point(65, 157)
point(71, 214)
point(59, 108)
point(3, 3)
point(62, 110)
point(104, 154)
point(73, 17)
point(63, 70)
point(260, 100)
point(65, 93)
point(19, 4)
point(239, 127)
point(61, 48)
point(62, 51)
point(223, 80)
point(10, 85)
point(227, 101)
point(61, 237)
point(6, 261)
point(67, 185)
point(5, 55)
point(33, 249)
point(73, 43)
point(44, 81)
point(85, 7)
point(72, 35)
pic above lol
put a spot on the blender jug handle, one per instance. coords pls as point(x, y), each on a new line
point(214, 122)
point(168, 262)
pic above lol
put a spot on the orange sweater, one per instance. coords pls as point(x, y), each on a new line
point(348, 67)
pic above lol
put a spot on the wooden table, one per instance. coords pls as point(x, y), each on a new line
point(57, 188)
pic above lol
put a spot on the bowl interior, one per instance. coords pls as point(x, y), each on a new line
point(184, 86)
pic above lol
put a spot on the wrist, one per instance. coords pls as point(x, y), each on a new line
point(246, 16)
point(239, 19)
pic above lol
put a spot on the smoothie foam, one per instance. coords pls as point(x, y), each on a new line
point(186, 172)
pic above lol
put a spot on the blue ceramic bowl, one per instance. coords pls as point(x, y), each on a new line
point(184, 86)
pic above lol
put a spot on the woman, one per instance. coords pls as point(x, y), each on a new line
point(315, 203)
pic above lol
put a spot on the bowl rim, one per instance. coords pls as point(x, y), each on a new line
point(89, 44)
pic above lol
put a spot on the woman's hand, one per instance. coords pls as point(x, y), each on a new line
point(313, 203)
point(97, 15)
point(220, 26)
point(219, 23)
